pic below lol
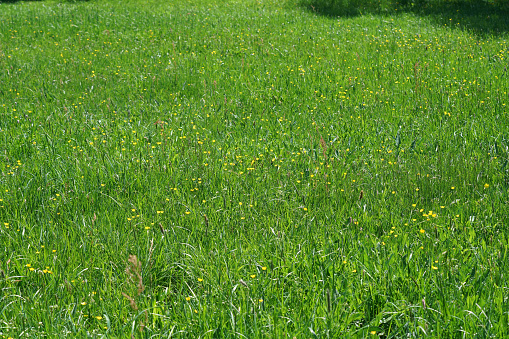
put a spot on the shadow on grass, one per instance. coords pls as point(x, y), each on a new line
point(479, 17)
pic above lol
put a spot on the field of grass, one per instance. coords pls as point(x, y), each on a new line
point(250, 169)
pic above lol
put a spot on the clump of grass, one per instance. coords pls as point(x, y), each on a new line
point(135, 281)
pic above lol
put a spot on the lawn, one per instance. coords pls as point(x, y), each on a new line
point(228, 169)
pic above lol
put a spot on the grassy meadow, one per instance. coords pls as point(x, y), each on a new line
point(249, 169)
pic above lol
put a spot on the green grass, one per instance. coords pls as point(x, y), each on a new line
point(212, 169)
